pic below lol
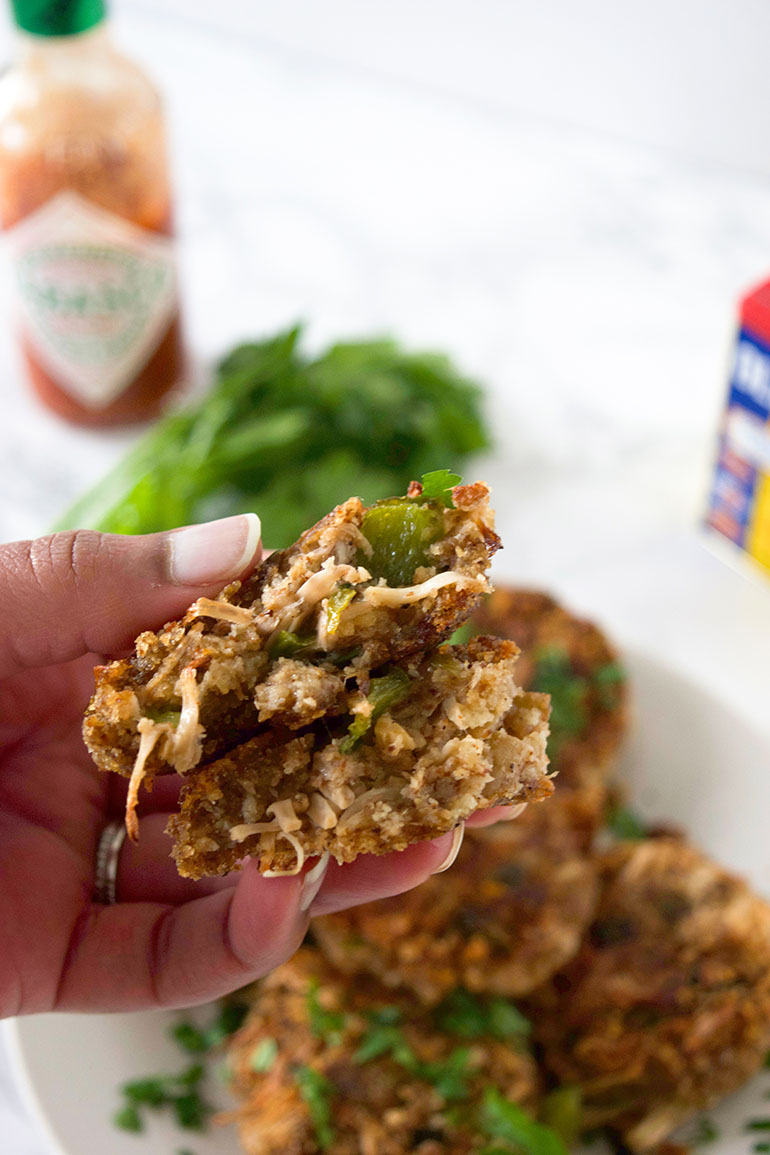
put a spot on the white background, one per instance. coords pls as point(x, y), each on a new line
point(568, 197)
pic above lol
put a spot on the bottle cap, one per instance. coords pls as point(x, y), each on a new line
point(57, 17)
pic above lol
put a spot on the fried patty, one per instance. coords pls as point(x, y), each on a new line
point(321, 1064)
point(666, 1008)
point(510, 913)
point(420, 748)
point(337, 600)
point(573, 661)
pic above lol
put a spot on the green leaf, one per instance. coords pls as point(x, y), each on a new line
point(503, 1119)
point(128, 1119)
point(187, 1035)
point(625, 824)
point(438, 485)
point(291, 436)
point(569, 694)
point(317, 1092)
point(384, 693)
point(264, 1055)
point(324, 1024)
point(472, 1016)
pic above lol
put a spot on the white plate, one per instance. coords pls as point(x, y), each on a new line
point(690, 761)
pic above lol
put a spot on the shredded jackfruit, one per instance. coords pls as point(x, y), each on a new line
point(222, 611)
point(149, 732)
point(405, 595)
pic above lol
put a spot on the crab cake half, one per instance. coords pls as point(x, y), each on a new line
point(362, 587)
point(573, 661)
point(422, 745)
point(667, 1006)
point(354, 1070)
point(509, 914)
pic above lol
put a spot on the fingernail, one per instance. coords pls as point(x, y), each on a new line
point(214, 552)
point(457, 840)
point(311, 883)
point(513, 812)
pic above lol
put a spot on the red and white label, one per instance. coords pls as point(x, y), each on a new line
point(96, 295)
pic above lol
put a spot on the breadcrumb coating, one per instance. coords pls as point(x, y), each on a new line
point(666, 1008)
point(458, 737)
point(357, 1070)
point(502, 921)
point(321, 596)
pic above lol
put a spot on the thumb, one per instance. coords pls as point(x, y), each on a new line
point(83, 592)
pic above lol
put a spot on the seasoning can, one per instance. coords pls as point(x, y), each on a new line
point(739, 503)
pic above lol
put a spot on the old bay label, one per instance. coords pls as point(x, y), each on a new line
point(95, 294)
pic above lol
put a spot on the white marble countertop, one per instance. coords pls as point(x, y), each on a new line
point(590, 283)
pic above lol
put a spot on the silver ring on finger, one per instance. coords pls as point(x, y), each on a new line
point(106, 870)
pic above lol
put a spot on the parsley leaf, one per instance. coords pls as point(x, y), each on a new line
point(326, 1025)
point(264, 1055)
point(471, 1016)
point(438, 485)
point(317, 1091)
point(502, 1119)
point(292, 436)
point(625, 824)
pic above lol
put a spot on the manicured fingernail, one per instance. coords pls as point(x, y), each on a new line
point(513, 812)
point(214, 552)
point(457, 840)
point(311, 883)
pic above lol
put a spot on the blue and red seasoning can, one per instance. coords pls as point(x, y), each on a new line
point(739, 503)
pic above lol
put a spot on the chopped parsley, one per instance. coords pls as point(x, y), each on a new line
point(758, 1125)
point(180, 1093)
point(569, 693)
point(470, 1017)
point(317, 1092)
point(198, 1040)
point(607, 680)
point(384, 693)
point(326, 1025)
point(264, 1055)
point(704, 1131)
point(438, 485)
point(385, 1036)
point(501, 1119)
point(624, 823)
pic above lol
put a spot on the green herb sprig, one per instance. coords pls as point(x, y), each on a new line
point(181, 1093)
point(291, 436)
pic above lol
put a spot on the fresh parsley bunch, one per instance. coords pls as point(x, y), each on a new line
point(291, 436)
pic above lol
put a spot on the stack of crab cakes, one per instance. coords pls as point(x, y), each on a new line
point(572, 981)
point(314, 709)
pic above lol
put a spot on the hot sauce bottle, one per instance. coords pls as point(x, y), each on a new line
point(86, 207)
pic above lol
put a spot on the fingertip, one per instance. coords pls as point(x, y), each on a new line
point(371, 877)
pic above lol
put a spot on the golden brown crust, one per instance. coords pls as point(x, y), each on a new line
point(231, 658)
point(505, 918)
point(463, 738)
point(376, 1107)
point(666, 1008)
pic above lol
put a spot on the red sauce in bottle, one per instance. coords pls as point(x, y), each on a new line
point(85, 198)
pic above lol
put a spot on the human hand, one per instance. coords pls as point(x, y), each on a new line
point(67, 600)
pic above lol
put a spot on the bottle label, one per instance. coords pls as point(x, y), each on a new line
point(96, 295)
